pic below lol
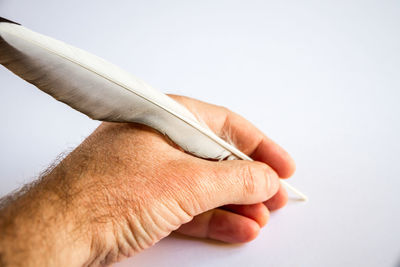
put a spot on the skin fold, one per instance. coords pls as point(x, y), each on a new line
point(126, 187)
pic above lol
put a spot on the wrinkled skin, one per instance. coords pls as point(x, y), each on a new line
point(126, 187)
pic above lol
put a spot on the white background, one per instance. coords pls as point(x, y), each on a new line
point(320, 77)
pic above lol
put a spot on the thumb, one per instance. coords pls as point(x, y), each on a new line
point(234, 182)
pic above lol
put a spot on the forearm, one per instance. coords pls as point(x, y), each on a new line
point(39, 227)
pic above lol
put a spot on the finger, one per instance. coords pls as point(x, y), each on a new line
point(257, 212)
point(217, 184)
point(221, 225)
point(278, 201)
point(242, 133)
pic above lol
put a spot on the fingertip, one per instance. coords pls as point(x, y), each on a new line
point(288, 169)
point(275, 156)
point(248, 233)
point(263, 220)
point(278, 201)
point(261, 214)
point(257, 212)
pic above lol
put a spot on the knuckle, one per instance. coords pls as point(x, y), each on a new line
point(249, 179)
point(225, 110)
point(258, 179)
point(271, 182)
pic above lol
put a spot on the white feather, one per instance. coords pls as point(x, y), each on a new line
point(103, 91)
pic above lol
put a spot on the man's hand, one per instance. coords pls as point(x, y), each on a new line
point(126, 187)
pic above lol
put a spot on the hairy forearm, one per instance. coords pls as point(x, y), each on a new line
point(39, 226)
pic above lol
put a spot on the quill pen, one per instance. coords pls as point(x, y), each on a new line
point(105, 92)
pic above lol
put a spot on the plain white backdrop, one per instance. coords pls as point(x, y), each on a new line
point(319, 77)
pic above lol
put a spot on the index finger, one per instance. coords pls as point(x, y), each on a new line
point(243, 134)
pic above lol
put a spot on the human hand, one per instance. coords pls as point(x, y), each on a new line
point(228, 226)
point(126, 187)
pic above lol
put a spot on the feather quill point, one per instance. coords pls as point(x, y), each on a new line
point(105, 92)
